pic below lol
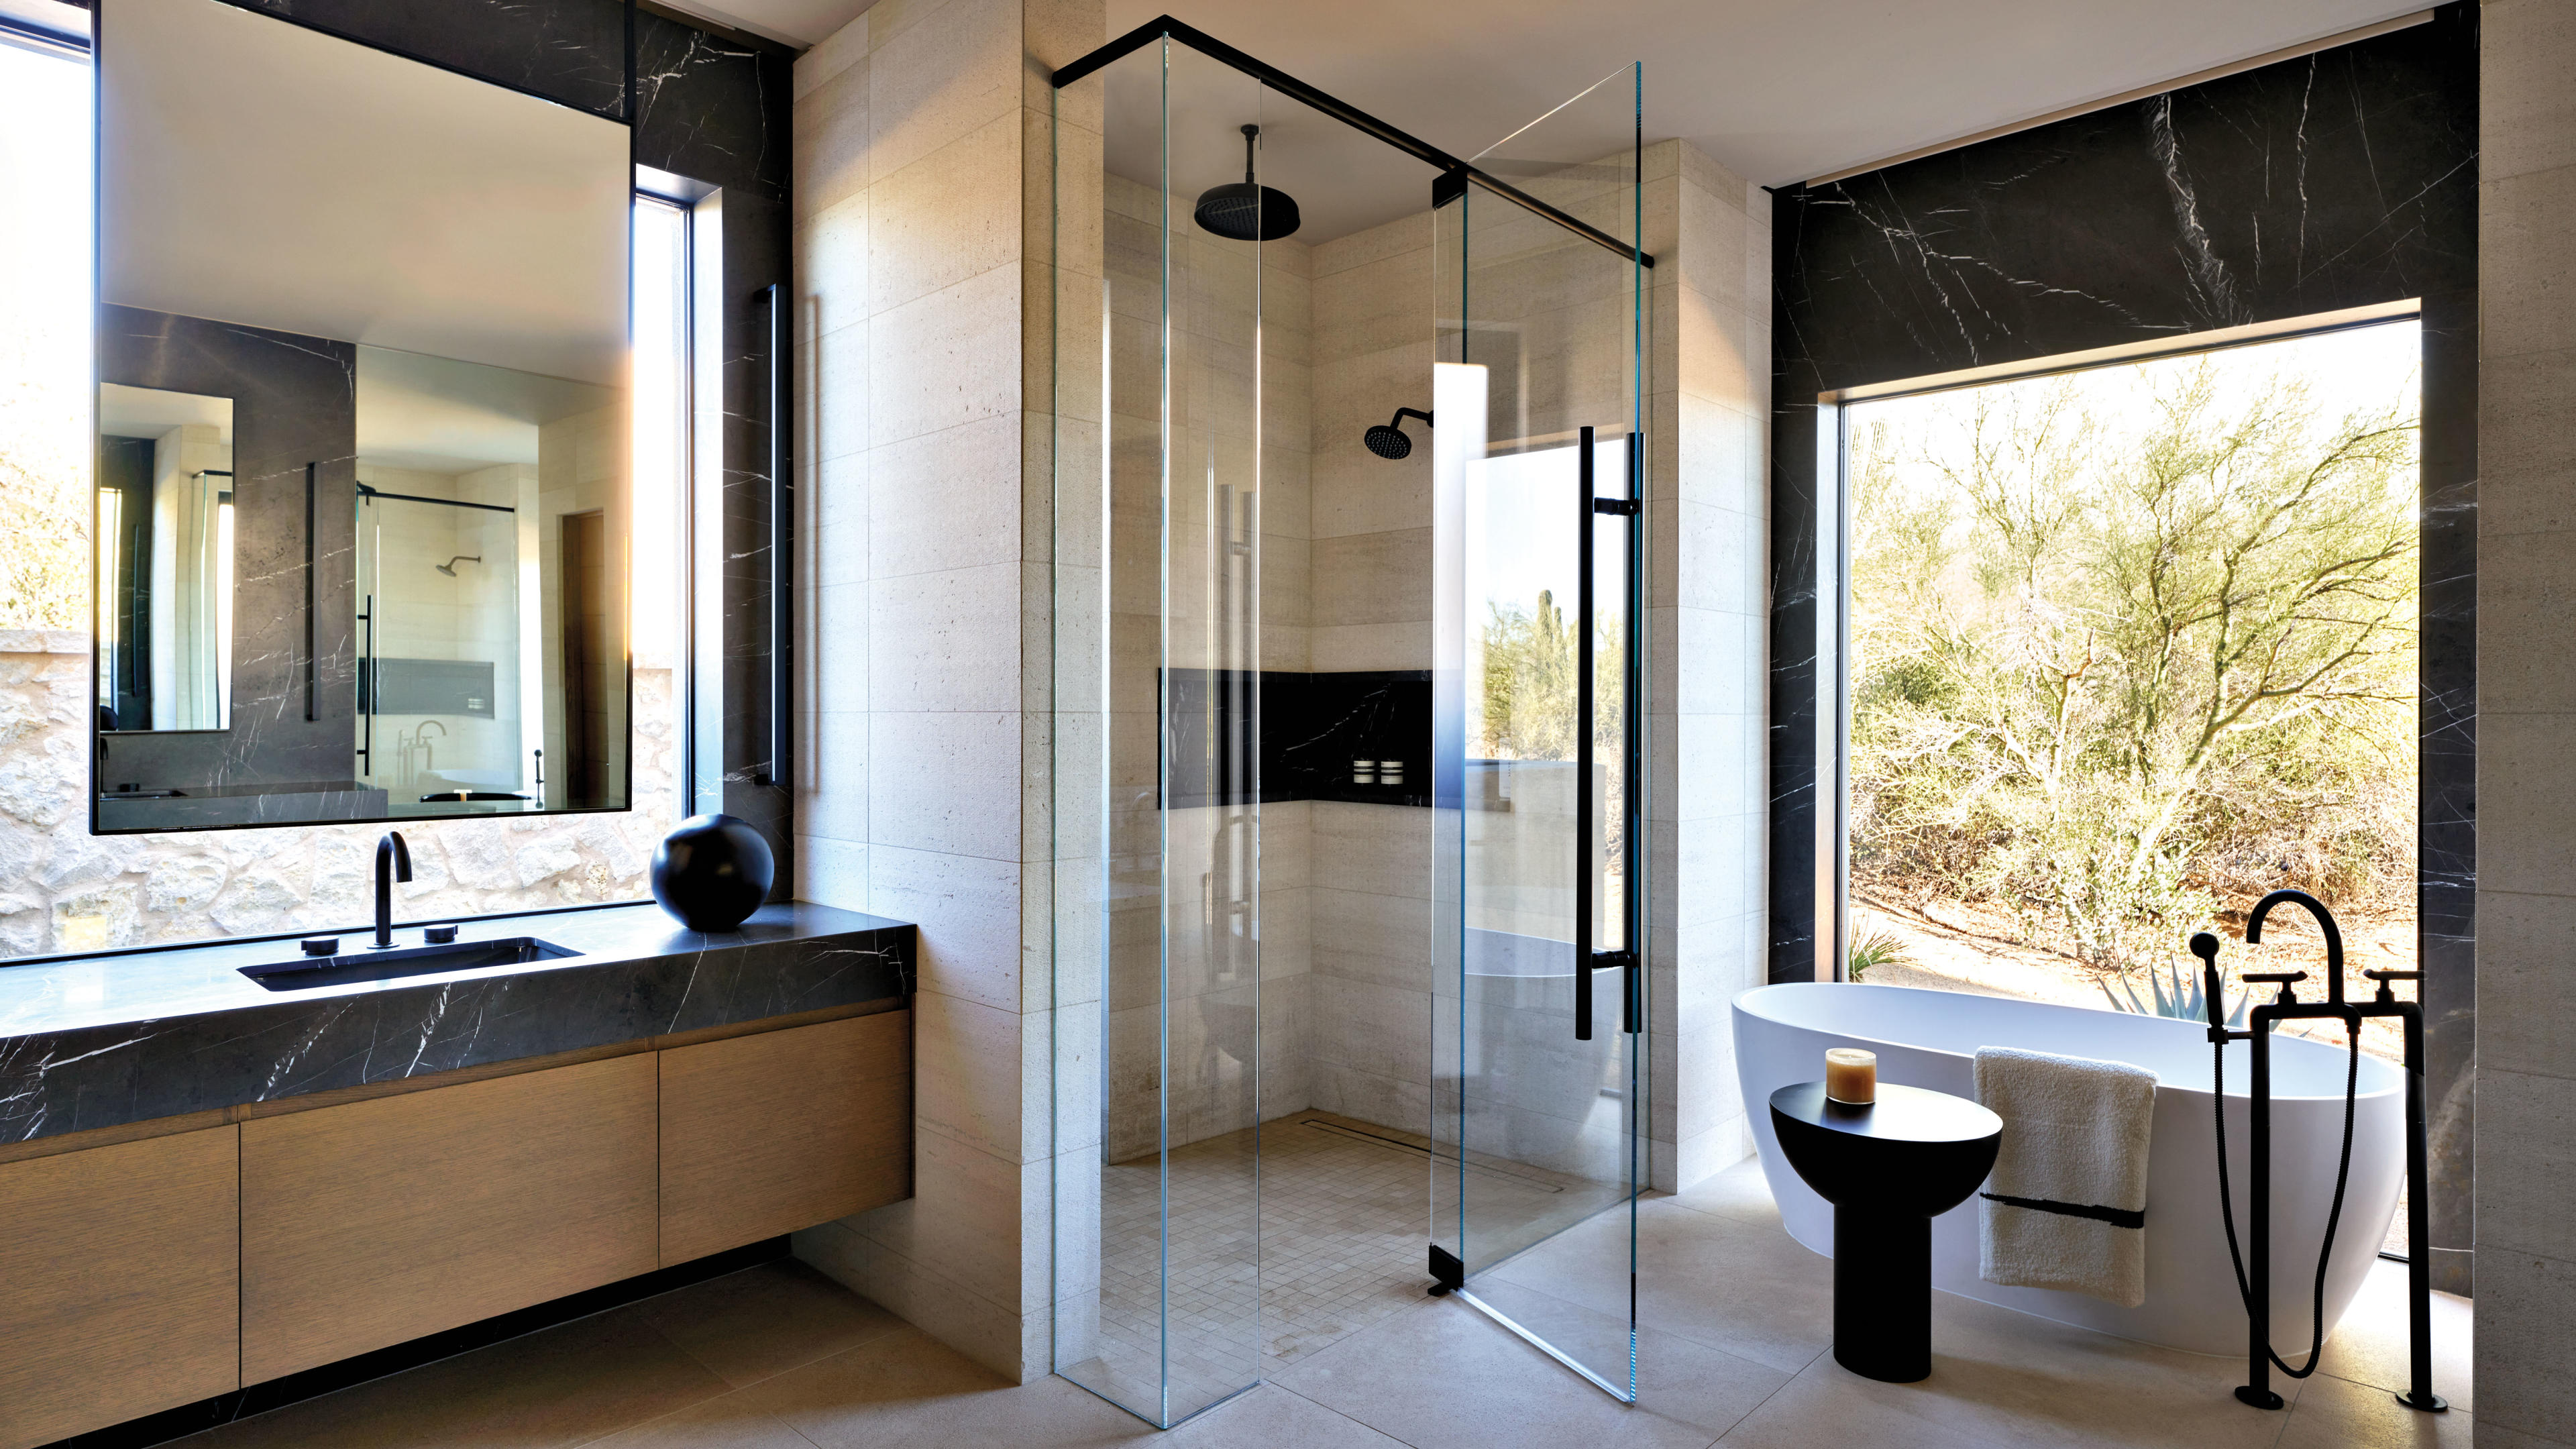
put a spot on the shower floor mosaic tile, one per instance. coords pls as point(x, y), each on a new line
point(1343, 1207)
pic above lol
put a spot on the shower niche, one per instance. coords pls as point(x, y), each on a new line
point(1348, 989)
point(363, 433)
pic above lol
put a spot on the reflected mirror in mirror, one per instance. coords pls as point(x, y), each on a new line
point(164, 525)
point(363, 492)
point(491, 668)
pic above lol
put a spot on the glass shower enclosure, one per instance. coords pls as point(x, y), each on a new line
point(1377, 878)
point(441, 718)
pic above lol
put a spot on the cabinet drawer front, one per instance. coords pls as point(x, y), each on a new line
point(118, 1280)
point(767, 1134)
point(367, 1224)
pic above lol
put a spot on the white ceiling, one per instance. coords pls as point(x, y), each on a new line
point(148, 412)
point(434, 415)
point(258, 172)
point(1776, 90)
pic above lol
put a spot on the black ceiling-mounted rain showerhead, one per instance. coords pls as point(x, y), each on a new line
point(1246, 210)
point(1390, 441)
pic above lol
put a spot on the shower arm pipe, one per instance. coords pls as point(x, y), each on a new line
point(1454, 171)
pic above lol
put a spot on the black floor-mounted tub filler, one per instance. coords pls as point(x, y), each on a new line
point(2255, 1288)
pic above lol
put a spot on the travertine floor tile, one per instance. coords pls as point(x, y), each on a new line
point(1746, 1290)
point(2370, 1345)
point(725, 1422)
point(1273, 1418)
point(2333, 1414)
point(568, 1385)
point(1443, 1376)
point(765, 1320)
point(1740, 1192)
point(2000, 1377)
point(906, 1391)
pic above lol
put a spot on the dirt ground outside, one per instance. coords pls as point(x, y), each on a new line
point(1950, 945)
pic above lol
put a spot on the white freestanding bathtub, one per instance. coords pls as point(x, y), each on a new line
point(1930, 1039)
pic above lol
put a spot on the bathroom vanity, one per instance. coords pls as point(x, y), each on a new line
point(207, 1183)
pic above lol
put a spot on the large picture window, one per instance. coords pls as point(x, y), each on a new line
point(2128, 647)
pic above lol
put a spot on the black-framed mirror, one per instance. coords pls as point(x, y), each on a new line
point(363, 495)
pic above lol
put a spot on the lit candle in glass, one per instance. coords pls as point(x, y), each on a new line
point(1851, 1075)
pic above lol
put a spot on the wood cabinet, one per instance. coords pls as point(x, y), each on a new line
point(370, 1223)
point(139, 1275)
point(763, 1135)
point(117, 1284)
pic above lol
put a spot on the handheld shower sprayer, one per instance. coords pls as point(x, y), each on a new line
point(2254, 1283)
point(1390, 441)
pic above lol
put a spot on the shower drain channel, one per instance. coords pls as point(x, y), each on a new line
point(1418, 1150)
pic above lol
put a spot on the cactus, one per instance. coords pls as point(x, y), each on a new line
point(1878, 948)
point(2175, 992)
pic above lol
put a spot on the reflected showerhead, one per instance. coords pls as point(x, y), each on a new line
point(1245, 210)
point(449, 568)
point(1389, 440)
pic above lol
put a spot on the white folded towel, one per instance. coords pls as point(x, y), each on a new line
point(2066, 1204)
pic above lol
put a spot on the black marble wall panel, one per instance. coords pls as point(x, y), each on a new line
point(294, 413)
point(1311, 728)
point(571, 53)
point(2340, 179)
point(716, 109)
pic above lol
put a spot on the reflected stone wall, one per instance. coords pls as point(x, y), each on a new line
point(63, 890)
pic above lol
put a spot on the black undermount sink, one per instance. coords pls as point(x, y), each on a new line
point(364, 964)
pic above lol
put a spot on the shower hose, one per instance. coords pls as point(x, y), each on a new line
point(2334, 1215)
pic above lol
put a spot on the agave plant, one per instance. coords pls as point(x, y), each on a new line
point(2175, 993)
point(1878, 948)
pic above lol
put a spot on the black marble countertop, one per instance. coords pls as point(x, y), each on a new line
point(97, 1041)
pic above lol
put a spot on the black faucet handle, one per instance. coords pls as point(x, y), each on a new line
point(2387, 978)
point(2284, 978)
point(2271, 976)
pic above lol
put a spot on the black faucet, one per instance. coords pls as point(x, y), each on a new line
point(393, 863)
point(2254, 933)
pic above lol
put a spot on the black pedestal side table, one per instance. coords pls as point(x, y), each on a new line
point(1888, 1168)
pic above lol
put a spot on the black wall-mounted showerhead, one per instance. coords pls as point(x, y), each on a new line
point(449, 568)
point(1246, 210)
point(1390, 441)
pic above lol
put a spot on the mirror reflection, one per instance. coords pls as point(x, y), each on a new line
point(362, 472)
point(164, 526)
point(489, 626)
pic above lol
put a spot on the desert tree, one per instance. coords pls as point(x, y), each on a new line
point(2113, 659)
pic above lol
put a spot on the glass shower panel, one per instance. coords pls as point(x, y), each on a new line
point(439, 684)
point(1158, 815)
point(1538, 1024)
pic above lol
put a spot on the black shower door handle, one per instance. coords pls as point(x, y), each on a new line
point(1588, 509)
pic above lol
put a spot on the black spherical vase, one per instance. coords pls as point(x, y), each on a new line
point(712, 872)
